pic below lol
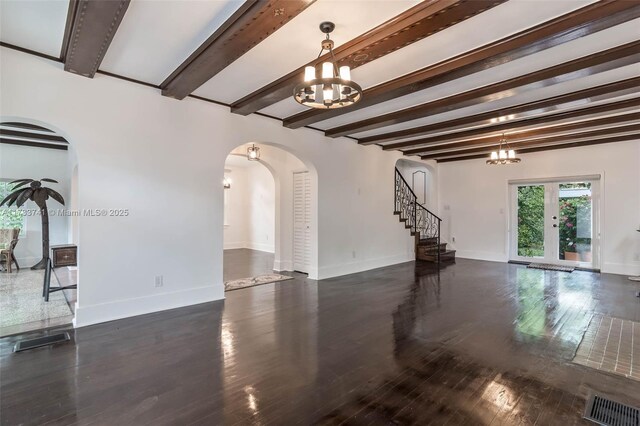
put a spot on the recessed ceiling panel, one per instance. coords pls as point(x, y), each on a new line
point(34, 24)
point(155, 37)
point(297, 43)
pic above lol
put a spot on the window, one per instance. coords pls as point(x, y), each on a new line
point(10, 217)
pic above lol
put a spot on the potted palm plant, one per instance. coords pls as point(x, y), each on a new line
point(39, 194)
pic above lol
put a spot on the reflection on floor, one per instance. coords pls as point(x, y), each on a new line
point(480, 343)
point(22, 306)
point(245, 263)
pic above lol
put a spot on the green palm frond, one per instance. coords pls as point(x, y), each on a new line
point(24, 196)
point(48, 180)
point(56, 196)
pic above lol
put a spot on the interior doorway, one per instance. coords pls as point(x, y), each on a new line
point(28, 236)
point(268, 216)
point(556, 221)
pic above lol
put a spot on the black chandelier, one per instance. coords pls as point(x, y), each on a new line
point(334, 89)
point(504, 154)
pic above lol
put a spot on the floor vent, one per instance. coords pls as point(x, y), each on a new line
point(25, 345)
point(610, 413)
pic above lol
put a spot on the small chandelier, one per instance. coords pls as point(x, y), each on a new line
point(226, 182)
point(253, 153)
point(504, 154)
point(335, 88)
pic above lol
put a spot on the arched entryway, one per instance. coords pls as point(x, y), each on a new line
point(270, 225)
point(33, 150)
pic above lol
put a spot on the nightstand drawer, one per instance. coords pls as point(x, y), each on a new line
point(64, 256)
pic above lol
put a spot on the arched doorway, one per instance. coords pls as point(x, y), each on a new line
point(30, 150)
point(269, 223)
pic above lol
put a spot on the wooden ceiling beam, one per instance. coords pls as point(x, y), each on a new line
point(579, 23)
point(416, 23)
point(518, 145)
point(605, 60)
point(490, 140)
point(484, 118)
point(511, 126)
point(575, 144)
point(90, 28)
point(253, 22)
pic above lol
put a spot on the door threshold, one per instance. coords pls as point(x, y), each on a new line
point(577, 268)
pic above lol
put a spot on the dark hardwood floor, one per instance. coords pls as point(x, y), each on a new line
point(480, 343)
point(245, 263)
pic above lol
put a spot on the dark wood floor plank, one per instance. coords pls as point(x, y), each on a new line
point(468, 344)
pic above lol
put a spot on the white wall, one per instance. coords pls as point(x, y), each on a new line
point(17, 162)
point(250, 213)
point(158, 157)
point(421, 181)
point(474, 201)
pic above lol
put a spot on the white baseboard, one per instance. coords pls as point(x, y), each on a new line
point(282, 265)
point(236, 245)
point(94, 314)
point(269, 248)
point(482, 255)
point(325, 272)
point(620, 268)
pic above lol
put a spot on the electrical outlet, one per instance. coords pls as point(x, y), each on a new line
point(453, 239)
point(159, 281)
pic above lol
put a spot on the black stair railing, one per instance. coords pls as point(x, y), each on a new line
point(419, 219)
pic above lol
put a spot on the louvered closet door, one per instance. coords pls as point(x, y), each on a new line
point(301, 221)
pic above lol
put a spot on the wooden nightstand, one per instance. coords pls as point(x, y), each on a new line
point(64, 255)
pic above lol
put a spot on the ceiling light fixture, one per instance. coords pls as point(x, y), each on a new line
point(334, 89)
point(253, 153)
point(504, 154)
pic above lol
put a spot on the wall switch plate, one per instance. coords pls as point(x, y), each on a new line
point(453, 239)
point(159, 281)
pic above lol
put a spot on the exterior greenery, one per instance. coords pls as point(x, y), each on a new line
point(571, 209)
point(10, 217)
point(531, 221)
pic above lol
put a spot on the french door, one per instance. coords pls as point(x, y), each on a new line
point(556, 222)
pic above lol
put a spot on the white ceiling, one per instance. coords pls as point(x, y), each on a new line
point(34, 24)
point(156, 36)
point(297, 43)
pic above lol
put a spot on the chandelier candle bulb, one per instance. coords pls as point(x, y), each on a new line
point(512, 154)
point(309, 73)
point(327, 94)
point(503, 154)
point(494, 155)
point(345, 73)
point(327, 70)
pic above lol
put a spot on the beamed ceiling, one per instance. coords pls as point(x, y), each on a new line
point(442, 79)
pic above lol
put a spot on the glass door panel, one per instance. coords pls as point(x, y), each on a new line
point(530, 221)
point(555, 222)
point(575, 222)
